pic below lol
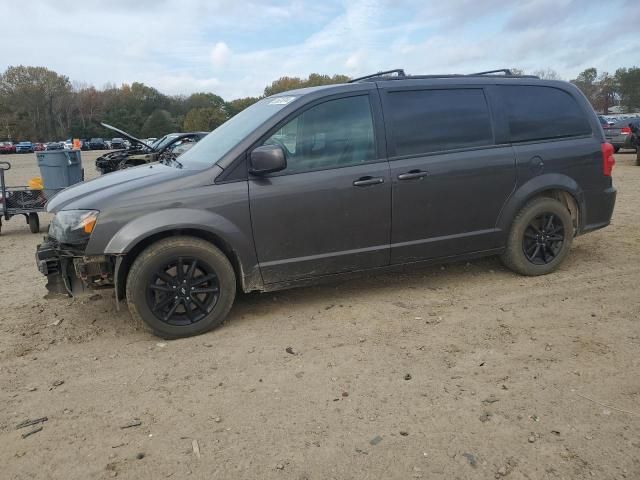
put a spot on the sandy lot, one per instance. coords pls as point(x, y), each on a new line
point(461, 371)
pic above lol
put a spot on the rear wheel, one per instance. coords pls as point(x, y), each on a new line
point(180, 287)
point(34, 222)
point(540, 237)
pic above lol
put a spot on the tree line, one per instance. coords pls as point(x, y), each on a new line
point(39, 104)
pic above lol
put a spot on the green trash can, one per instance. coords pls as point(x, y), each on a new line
point(59, 169)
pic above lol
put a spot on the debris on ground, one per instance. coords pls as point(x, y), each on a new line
point(490, 399)
point(375, 440)
point(31, 432)
point(134, 423)
point(196, 448)
point(407, 376)
point(471, 459)
point(290, 351)
point(28, 422)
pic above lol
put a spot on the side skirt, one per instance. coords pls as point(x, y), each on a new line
point(305, 282)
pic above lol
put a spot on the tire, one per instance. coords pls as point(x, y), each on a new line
point(527, 223)
point(616, 149)
point(34, 222)
point(150, 281)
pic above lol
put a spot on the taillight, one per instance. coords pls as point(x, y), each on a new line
point(608, 160)
point(625, 131)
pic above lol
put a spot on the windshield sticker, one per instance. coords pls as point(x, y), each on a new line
point(282, 100)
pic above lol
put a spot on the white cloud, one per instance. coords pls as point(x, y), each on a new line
point(236, 48)
point(220, 54)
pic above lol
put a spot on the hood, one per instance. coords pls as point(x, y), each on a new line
point(115, 187)
point(125, 135)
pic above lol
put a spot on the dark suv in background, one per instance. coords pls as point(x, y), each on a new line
point(311, 184)
point(97, 144)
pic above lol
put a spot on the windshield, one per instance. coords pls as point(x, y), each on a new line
point(163, 141)
point(219, 142)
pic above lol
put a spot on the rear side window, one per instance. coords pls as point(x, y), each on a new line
point(541, 113)
point(425, 121)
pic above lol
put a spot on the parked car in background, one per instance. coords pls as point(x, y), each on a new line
point(84, 144)
point(7, 147)
point(117, 143)
point(24, 147)
point(97, 144)
point(38, 147)
point(54, 146)
point(310, 184)
point(619, 134)
point(139, 153)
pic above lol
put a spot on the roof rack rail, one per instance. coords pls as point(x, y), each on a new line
point(398, 71)
point(506, 71)
point(401, 75)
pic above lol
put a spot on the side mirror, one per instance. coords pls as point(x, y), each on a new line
point(267, 159)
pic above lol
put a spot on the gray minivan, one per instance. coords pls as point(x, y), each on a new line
point(316, 183)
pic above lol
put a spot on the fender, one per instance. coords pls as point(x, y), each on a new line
point(534, 186)
point(171, 219)
point(141, 228)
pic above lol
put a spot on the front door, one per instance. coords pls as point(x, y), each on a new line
point(450, 179)
point(329, 211)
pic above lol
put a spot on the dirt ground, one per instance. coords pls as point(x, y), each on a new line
point(454, 372)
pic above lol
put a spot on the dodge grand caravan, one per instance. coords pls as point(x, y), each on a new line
point(313, 184)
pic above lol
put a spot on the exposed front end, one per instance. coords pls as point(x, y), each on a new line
point(61, 257)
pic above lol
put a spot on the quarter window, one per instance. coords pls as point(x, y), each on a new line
point(539, 113)
point(425, 121)
point(336, 133)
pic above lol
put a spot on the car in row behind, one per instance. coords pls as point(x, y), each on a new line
point(620, 133)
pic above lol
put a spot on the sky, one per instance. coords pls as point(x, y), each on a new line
point(235, 48)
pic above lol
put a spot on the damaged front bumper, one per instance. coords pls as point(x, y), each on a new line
point(70, 272)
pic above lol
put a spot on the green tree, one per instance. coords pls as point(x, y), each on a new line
point(587, 82)
point(236, 106)
point(204, 119)
point(35, 101)
point(628, 84)
point(284, 84)
point(159, 123)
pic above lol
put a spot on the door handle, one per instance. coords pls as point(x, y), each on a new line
point(365, 181)
point(411, 174)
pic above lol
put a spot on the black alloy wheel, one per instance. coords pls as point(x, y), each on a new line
point(543, 238)
point(183, 291)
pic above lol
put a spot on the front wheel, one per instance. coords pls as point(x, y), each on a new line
point(180, 287)
point(540, 237)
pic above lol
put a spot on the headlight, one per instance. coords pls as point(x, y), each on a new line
point(73, 226)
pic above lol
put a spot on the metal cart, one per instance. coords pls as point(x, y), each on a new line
point(21, 201)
